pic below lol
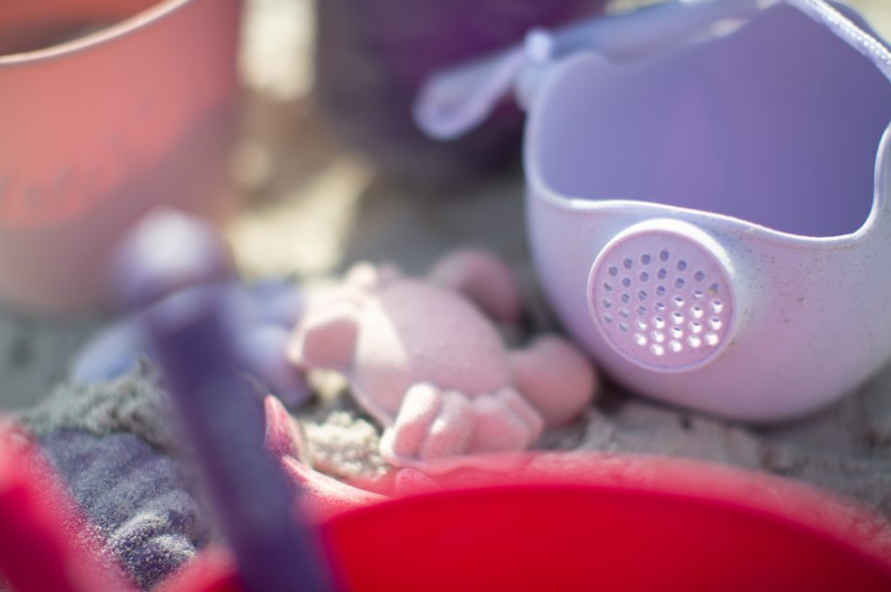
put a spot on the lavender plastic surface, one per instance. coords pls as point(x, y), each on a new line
point(750, 139)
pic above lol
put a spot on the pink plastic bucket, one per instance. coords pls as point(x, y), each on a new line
point(108, 108)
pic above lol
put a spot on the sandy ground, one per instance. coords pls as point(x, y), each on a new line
point(314, 207)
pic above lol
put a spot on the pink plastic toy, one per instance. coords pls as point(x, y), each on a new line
point(107, 109)
point(424, 361)
point(708, 195)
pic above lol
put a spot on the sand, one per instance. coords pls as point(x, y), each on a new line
point(314, 207)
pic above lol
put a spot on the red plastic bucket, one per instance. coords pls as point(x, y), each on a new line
point(565, 537)
point(599, 522)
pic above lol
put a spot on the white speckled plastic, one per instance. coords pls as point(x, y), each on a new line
point(661, 294)
point(756, 157)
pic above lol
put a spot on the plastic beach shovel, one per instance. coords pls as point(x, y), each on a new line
point(190, 333)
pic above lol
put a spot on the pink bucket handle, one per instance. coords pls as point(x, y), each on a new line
point(454, 101)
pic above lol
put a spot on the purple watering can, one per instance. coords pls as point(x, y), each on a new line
point(707, 195)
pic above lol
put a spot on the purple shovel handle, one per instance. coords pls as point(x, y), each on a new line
point(224, 424)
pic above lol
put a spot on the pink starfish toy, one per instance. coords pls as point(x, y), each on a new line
point(423, 359)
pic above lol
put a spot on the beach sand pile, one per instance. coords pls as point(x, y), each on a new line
point(314, 207)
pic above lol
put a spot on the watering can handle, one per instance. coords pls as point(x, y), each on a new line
point(456, 100)
point(848, 30)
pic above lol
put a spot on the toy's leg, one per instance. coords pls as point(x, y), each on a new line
point(431, 424)
point(366, 277)
point(482, 278)
point(504, 422)
point(555, 377)
point(439, 430)
point(326, 338)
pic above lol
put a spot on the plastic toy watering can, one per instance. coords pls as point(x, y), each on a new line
point(708, 195)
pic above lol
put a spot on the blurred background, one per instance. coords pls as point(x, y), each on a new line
point(328, 165)
point(316, 200)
